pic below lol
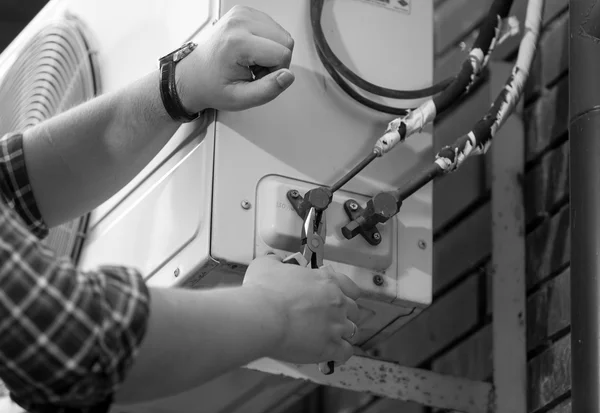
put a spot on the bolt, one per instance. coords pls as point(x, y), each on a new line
point(351, 230)
point(246, 204)
point(176, 272)
point(376, 236)
point(294, 194)
point(378, 280)
point(422, 244)
point(353, 206)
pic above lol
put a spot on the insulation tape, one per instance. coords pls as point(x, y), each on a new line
point(413, 123)
point(514, 87)
point(418, 118)
point(450, 158)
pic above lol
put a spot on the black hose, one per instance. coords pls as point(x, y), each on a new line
point(328, 57)
point(484, 42)
point(357, 96)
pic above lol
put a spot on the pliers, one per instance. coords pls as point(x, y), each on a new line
point(314, 231)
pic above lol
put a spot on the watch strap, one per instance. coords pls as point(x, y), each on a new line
point(169, 95)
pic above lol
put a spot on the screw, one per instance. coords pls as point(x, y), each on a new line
point(294, 194)
point(422, 244)
point(176, 272)
point(376, 236)
point(246, 204)
point(353, 206)
point(378, 280)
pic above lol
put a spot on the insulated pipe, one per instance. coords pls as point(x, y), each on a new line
point(584, 131)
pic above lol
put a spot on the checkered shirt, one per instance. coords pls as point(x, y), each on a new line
point(67, 337)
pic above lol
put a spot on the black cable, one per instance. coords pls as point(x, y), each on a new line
point(328, 57)
point(357, 96)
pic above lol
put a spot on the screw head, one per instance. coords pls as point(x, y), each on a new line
point(353, 206)
point(246, 204)
point(378, 280)
point(422, 244)
point(176, 272)
point(294, 194)
point(376, 236)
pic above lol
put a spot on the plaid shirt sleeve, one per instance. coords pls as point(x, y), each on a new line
point(67, 338)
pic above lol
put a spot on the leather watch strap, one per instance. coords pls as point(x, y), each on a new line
point(169, 95)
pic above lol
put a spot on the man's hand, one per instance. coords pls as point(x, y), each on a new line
point(317, 309)
point(219, 72)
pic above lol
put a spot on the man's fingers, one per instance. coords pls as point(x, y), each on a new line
point(352, 311)
point(265, 26)
point(264, 90)
point(348, 287)
point(342, 352)
point(266, 53)
point(350, 332)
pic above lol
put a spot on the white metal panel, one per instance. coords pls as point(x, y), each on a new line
point(164, 229)
point(314, 133)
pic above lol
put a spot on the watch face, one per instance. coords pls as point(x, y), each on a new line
point(180, 53)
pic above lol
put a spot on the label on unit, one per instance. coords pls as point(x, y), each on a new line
point(402, 6)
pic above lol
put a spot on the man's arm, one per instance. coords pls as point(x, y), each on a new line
point(195, 336)
point(80, 158)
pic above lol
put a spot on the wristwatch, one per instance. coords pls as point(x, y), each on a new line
point(168, 89)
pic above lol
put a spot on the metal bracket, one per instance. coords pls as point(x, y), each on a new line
point(296, 199)
point(391, 380)
point(354, 210)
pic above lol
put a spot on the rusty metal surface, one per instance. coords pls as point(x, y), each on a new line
point(508, 260)
point(391, 380)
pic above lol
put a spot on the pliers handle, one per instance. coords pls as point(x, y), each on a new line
point(314, 232)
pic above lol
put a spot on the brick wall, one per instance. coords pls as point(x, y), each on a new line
point(454, 335)
point(460, 340)
point(467, 350)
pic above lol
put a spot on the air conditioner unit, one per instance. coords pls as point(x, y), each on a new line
point(215, 197)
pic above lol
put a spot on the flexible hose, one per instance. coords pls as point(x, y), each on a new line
point(478, 141)
point(401, 128)
point(332, 62)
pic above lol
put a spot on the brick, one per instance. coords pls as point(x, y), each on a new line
point(547, 183)
point(454, 18)
point(550, 374)
point(547, 119)
point(564, 407)
point(447, 319)
point(471, 241)
point(457, 191)
point(460, 189)
point(549, 310)
point(548, 313)
point(552, 58)
point(555, 50)
point(548, 247)
point(471, 359)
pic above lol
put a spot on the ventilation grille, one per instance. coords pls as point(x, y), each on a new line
point(54, 72)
